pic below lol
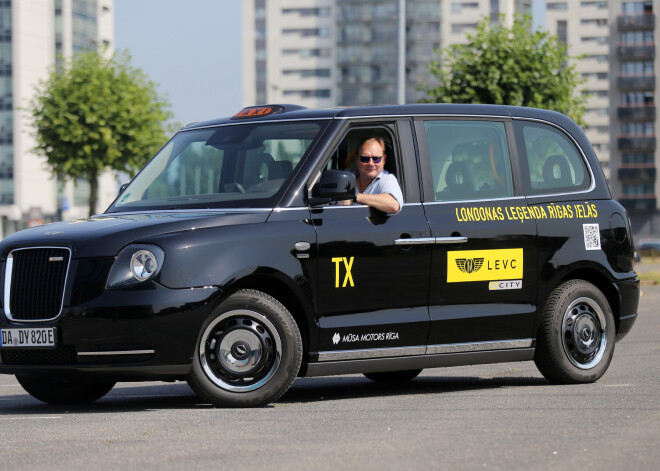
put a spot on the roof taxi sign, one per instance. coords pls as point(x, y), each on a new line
point(257, 111)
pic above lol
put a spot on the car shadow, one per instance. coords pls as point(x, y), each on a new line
point(163, 396)
point(335, 388)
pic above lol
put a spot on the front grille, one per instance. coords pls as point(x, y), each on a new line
point(37, 282)
point(62, 355)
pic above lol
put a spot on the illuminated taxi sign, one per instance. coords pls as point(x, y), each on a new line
point(257, 112)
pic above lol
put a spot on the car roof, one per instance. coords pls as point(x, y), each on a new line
point(295, 112)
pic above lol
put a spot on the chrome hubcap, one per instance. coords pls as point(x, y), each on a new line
point(583, 333)
point(240, 351)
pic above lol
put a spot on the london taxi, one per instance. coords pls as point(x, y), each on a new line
point(226, 261)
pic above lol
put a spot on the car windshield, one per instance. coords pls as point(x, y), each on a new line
point(231, 166)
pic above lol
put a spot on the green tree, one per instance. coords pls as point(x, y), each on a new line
point(508, 66)
point(95, 113)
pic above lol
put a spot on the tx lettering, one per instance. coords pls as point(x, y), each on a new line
point(348, 264)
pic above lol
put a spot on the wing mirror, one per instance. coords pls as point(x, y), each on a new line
point(334, 185)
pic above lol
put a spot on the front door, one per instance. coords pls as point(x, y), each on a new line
point(372, 290)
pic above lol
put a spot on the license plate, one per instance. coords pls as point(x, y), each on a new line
point(27, 337)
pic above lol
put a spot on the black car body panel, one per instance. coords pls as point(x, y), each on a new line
point(469, 286)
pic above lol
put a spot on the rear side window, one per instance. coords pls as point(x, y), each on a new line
point(469, 160)
point(550, 161)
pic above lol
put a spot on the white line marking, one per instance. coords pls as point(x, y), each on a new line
point(30, 418)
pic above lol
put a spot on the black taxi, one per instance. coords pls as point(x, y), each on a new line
point(233, 261)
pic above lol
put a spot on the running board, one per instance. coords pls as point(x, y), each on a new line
point(372, 365)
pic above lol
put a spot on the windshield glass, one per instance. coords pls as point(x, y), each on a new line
point(245, 165)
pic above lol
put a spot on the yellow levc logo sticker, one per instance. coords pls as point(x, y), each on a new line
point(484, 265)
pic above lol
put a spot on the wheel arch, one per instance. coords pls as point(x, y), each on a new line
point(275, 285)
point(601, 282)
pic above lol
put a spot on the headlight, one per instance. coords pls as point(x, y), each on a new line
point(135, 264)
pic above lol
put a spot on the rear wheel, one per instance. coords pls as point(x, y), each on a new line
point(248, 352)
point(576, 337)
point(393, 376)
point(65, 390)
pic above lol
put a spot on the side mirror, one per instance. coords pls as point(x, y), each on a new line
point(334, 185)
point(122, 188)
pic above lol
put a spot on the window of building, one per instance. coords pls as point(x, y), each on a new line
point(557, 6)
point(562, 31)
point(598, 93)
point(601, 147)
point(458, 7)
point(598, 4)
point(320, 52)
point(308, 32)
point(458, 28)
point(637, 37)
point(637, 8)
point(596, 39)
point(637, 159)
point(306, 73)
point(598, 75)
point(322, 93)
point(598, 111)
point(638, 189)
point(594, 21)
point(637, 68)
point(642, 128)
point(599, 57)
point(638, 98)
point(323, 12)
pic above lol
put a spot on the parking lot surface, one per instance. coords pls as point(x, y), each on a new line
point(504, 416)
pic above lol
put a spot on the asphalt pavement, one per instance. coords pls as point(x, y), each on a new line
point(501, 417)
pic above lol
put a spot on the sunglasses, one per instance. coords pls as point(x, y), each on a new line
point(364, 159)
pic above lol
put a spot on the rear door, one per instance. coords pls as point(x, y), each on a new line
point(483, 285)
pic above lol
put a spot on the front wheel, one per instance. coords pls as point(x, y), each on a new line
point(65, 390)
point(576, 337)
point(248, 352)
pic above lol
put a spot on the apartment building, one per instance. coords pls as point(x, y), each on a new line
point(615, 43)
point(345, 52)
point(289, 52)
point(634, 126)
point(585, 27)
point(33, 33)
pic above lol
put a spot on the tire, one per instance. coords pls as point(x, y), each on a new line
point(575, 342)
point(65, 390)
point(248, 352)
point(393, 376)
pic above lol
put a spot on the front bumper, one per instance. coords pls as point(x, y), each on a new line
point(136, 334)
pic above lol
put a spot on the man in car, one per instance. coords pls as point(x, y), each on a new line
point(376, 186)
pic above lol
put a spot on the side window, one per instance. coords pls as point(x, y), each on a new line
point(469, 160)
point(552, 160)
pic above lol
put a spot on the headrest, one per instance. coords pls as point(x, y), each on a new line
point(279, 169)
point(560, 163)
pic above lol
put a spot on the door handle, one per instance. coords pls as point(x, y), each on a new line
point(431, 240)
point(451, 240)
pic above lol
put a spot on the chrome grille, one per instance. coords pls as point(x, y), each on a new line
point(34, 283)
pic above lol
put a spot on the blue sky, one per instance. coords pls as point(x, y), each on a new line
point(192, 50)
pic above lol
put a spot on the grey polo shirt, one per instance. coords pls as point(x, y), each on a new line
point(385, 182)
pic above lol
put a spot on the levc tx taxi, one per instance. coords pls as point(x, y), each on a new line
point(232, 260)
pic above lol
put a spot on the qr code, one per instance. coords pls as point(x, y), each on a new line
point(591, 236)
